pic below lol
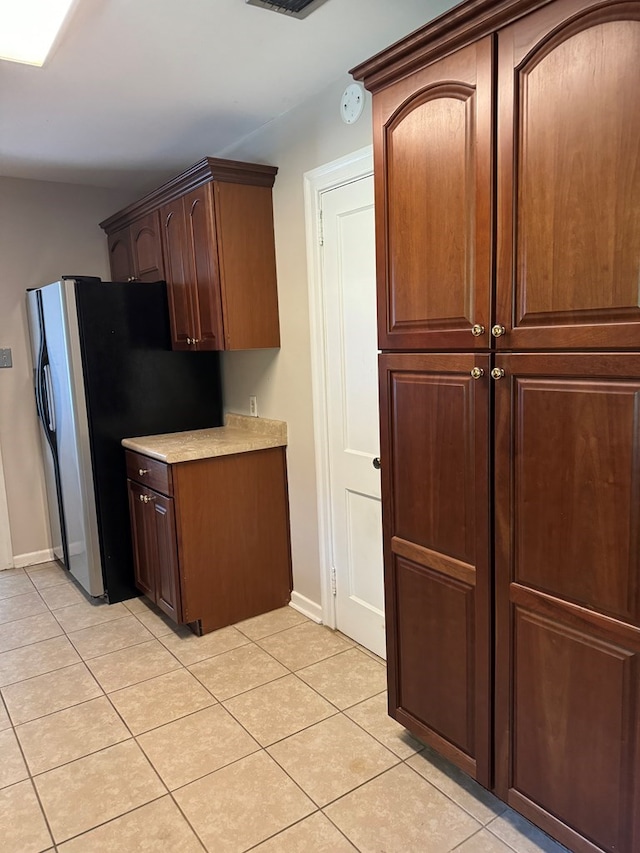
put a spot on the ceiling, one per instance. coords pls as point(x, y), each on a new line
point(136, 90)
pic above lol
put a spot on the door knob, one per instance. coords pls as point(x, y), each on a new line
point(477, 330)
point(376, 463)
point(476, 372)
point(498, 331)
point(497, 373)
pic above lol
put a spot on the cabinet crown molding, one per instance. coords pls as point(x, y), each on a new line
point(462, 25)
point(205, 170)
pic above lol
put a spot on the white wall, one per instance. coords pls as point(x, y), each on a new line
point(301, 140)
point(46, 230)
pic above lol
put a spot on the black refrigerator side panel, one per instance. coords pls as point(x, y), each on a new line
point(135, 385)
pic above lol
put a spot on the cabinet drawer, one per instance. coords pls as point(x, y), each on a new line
point(150, 472)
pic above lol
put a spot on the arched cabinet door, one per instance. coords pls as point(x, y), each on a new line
point(569, 177)
point(120, 259)
point(434, 204)
point(174, 239)
point(146, 246)
point(204, 276)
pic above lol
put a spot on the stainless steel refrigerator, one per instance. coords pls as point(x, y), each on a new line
point(104, 370)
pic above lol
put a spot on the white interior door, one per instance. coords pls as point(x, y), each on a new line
point(349, 290)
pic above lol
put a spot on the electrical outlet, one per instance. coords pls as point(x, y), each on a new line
point(253, 406)
point(5, 358)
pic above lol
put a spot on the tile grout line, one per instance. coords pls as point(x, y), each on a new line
point(466, 840)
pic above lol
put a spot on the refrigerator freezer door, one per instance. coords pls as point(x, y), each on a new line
point(64, 415)
point(47, 435)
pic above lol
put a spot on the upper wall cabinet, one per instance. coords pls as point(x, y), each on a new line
point(135, 250)
point(215, 229)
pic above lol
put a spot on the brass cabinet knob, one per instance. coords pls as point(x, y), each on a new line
point(143, 471)
point(376, 463)
point(497, 373)
point(477, 330)
point(189, 341)
point(146, 499)
point(498, 331)
point(476, 372)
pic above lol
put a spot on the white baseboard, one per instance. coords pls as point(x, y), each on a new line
point(22, 560)
point(306, 606)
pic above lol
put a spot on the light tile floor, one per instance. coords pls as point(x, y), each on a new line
point(120, 732)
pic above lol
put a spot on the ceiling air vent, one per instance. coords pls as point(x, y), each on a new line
point(295, 8)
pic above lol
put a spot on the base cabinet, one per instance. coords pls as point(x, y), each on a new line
point(211, 536)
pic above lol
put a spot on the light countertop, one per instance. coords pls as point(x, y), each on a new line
point(240, 434)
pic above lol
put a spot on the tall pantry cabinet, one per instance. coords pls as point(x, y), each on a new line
point(507, 159)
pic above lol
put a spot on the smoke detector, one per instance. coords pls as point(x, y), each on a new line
point(294, 8)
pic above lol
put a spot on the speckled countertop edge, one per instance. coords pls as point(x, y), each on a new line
point(241, 434)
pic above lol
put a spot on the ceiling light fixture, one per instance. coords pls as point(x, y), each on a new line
point(294, 8)
point(28, 28)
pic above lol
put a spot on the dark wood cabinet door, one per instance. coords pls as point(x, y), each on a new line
point(161, 516)
point(142, 536)
point(432, 149)
point(569, 177)
point(567, 486)
point(435, 487)
point(246, 255)
point(203, 271)
point(120, 256)
point(146, 248)
point(175, 246)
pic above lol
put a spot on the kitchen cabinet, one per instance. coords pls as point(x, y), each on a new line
point(215, 223)
point(508, 205)
point(211, 535)
point(155, 550)
point(135, 250)
point(195, 298)
point(435, 484)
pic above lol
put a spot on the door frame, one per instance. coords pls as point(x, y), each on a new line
point(332, 175)
point(6, 549)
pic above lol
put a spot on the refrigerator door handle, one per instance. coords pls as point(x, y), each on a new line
point(48, 395)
